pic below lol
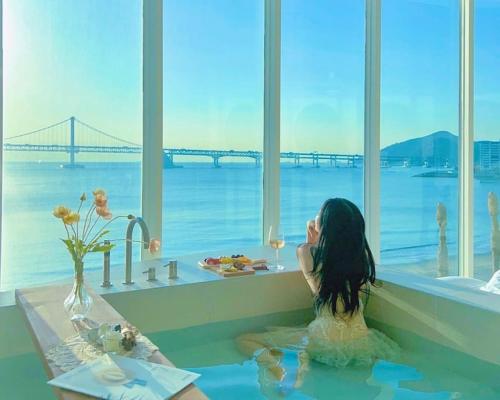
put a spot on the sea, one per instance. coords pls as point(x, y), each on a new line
point(210, 209)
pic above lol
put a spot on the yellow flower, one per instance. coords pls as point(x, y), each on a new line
point(71, 218)
point(61, 212)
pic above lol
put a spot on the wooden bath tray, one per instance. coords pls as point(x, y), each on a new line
point(226, 274)
point(49, 325)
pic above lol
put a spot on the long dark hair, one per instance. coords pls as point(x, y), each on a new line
point(343, 262)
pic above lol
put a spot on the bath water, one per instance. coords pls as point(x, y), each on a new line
point(425, 371)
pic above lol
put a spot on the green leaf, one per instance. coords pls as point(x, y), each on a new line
point(79, 247)
point(100, 247)
point(71, 248)
point(88, 248)
point(98, 237)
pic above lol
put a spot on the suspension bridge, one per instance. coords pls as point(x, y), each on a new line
point(73, 136)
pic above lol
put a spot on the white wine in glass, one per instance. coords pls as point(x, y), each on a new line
point(277, 242)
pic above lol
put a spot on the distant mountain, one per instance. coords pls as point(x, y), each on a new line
point(437, 149)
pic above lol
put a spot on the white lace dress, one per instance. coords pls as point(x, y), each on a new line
point(339, 340)
point(345, 339)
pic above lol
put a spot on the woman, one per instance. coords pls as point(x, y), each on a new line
point(338, 266)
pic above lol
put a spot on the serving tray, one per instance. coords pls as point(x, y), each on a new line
point(226, 274)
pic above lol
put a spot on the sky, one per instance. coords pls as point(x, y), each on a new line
point(83, 58)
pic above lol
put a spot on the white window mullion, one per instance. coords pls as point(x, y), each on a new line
point(372, 127)
point(466, 141)
point(271, 153)
point(152, 116)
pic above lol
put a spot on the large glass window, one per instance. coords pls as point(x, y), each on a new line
point(322, 95)
point(70, 71)
point(487, 137)
point(72, 123)
point(213, 124)
point(419, 143)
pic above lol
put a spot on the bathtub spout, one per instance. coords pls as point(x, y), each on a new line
point(128, 246)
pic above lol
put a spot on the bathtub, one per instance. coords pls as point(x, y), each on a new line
point(194, 320)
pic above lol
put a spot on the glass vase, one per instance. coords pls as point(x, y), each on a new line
point(78, 302)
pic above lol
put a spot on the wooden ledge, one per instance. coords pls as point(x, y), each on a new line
point(49, 325)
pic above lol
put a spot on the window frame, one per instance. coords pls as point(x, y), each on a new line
point(272, 108)
point(371, 169)
point(152, 105)
point(466, 142)
point(152, 118)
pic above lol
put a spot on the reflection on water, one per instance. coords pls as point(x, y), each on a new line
point(384, 381)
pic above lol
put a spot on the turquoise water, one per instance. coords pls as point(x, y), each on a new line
point(425, 370)
point(22, 378)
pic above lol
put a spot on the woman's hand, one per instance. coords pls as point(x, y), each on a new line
point(312, 235)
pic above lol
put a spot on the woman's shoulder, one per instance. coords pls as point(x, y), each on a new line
point(306, 264)
point(305, 249)
point(305, 252)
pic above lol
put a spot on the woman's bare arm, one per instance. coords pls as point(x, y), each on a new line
point(312, 235)
point(305, 259)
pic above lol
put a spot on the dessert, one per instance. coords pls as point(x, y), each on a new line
point(238, 259)
point(212, 261)
point(236, 265)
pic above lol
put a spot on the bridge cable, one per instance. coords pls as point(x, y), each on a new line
point(107, 134)
point(37, 130)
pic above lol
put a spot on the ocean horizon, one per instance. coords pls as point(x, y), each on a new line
point(208, 209)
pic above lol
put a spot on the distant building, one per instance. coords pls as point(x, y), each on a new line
point(489, 156)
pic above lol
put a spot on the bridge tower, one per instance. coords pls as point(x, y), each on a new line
point(72, 147)
point(168, 160)
point(315, 160)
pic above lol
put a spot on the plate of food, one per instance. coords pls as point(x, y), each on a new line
point(236, 265)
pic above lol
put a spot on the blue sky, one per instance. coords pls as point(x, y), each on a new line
point(83, 58)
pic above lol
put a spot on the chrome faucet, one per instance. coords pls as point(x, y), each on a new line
point(128, 246)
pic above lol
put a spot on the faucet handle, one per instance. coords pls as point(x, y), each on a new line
point(106, 283)
point(172, 269)
point(151, 271)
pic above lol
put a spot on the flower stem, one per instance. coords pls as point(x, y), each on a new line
point(78, 223)
point(92, 227)
point(104, 226)
point(67, 231)
point(74, 232)
point(88, 219)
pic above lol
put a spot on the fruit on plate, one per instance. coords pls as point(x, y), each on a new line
point(212, 261)
point(239, 261)
point(244, 260)
point(239, 265)
point(260, 267)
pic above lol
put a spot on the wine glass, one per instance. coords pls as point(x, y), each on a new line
point(277, 242)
